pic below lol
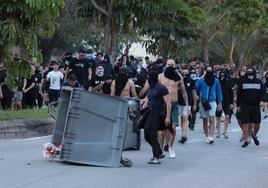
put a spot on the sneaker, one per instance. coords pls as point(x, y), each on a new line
point(245, 144)
point(211, 140)
point(166, 148)
point(207, 140)
point(256, 141)
point(225, 135)
point(191, 127)
point(183, 140)
point(172, 153)
point(162, 156)
point(218, 135)
point(154, 160)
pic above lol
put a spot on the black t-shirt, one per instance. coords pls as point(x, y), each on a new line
point(7, 93)
point(155, 96)
point(2, 76)
point(189, 85)
point(80, 69)
point(250, 92)
point(36, 79)
point(96, 80)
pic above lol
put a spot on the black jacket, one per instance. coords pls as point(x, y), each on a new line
point(227, 92)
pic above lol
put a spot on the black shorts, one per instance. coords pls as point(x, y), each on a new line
point(225, 108)
point(250, 114)
point(155, 120)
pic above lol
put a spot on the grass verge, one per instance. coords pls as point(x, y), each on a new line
point(23, 114)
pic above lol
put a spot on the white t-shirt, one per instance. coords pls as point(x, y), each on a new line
point(55, 77)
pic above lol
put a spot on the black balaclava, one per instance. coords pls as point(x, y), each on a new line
point(222, 76)
point(120, 82)
point(152, 78)
point(185, 75)
point(251, 75)
point(170, 73)
point(209, 78)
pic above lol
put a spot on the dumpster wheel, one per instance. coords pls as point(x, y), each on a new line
point(126, 162)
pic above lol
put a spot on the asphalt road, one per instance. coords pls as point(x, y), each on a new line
point(223, 164)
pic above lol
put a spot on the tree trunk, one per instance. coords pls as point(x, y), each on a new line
point(232, 50)
point(114, 44)
point(107, 39)
point(205, 45)
point(128, 46)
point(46, 46)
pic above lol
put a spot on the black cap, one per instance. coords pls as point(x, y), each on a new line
point(53, 63)
point(82, 50)
point(72, 77)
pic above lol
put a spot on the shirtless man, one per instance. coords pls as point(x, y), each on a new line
point(122, 86)
point(172, 81)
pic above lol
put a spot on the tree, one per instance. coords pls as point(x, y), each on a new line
point(20, 21)
point(172, 30)
point(228, 16)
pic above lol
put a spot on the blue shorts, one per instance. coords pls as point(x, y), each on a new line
point(174, 113)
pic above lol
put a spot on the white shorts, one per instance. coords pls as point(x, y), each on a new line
point(182, 110)
point(209, 113)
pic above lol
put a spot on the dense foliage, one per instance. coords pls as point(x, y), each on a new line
point(224, 31)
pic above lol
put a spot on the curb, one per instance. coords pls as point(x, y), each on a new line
point(19, 129)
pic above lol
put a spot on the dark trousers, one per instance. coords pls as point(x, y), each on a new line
point(151, 138)
point(40, 100)
point(53, 95)
point(6, 103)
point(154, 123)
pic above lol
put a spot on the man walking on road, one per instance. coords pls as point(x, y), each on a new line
point(210, 90)
point(184, 110)
point(156, 119)
point(173, 81)
point(250, 97)
point(227, 101)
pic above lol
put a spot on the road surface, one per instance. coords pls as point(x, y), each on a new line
point(221, 165)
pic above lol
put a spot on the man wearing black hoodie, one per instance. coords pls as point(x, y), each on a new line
point(227, 101)
point(250, 97)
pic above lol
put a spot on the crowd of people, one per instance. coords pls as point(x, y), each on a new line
point(171, 93)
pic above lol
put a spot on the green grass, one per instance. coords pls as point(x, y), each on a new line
point(23, 114)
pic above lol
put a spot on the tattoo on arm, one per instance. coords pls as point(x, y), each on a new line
point(184, 93)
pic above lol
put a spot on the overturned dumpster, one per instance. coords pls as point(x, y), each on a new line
point(93, 129)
